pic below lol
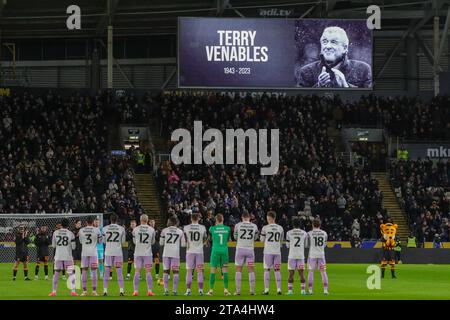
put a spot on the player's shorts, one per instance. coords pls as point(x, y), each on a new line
point(42, 258)
point(317, 263)
point(89, 262)
point(113, 261)
point(272, 261)
point(244, 255)
point(22, 257)
point(194, 261)
point(218, 259)
point(296, 264)
point(63, 264)
point(143, 262)
point(388, 255)
point(170, 263)
point(100, 253)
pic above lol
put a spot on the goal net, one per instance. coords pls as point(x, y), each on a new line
point(12, 223)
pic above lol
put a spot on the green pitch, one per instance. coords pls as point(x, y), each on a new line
point(346, 281)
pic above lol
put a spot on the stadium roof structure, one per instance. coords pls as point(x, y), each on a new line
point(47, 18)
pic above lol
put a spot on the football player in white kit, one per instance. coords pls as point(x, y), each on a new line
point(90, 237)
point(143, 238)
point(63, 241)
point(195, 235)
point(317, 241)
point(272, 235)
point(295, 241)
point(114, 237)
point(171, 238)
point(245, 234)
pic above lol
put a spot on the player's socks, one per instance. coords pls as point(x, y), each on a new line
point(310, 281)
point(36, 272)
point(14, 274)
point(324, 280)
point(25, 273)
point(94, 281)
point(166, 281)
point(188, 280)
point(72, 280)
point(136, 281)
point(303, 286)
point(278, 279)
point(251, 279)
point(129, 269)
point(225, 280)
point(289, 286)
point(212, 280)
point(84, 280)
point(120, 278)
point(266, 280)
point(176, 278)
point(100, 268)
point(55, 280)
point(46, 270)
point(106, 279)
point(157, 270)
point(200, 281)
point(238, 279)
point(393, 273)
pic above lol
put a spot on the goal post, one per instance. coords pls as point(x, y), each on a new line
point(10, 223)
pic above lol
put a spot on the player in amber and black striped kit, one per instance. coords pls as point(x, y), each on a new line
point(22, 241)
point(42, 241)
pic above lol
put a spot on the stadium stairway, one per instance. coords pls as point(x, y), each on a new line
point(148, 196)
point(390, 203)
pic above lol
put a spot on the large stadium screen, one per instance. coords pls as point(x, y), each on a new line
point(238, 53)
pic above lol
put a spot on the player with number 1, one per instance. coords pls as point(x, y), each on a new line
point(220, 235)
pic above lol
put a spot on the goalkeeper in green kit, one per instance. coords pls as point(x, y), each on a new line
point(220, 235)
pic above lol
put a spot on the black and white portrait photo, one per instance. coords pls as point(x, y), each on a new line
point(336, 55)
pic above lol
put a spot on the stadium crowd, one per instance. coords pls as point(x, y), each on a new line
point(423, 189)
point(311, 180)
point(407, 117)
point(54, 157)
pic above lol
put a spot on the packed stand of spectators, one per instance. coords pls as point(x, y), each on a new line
point(407, 117)
point(311, 181)
point(424, 191)
point(131, 109)
point(372, 154)
point(54, 157)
